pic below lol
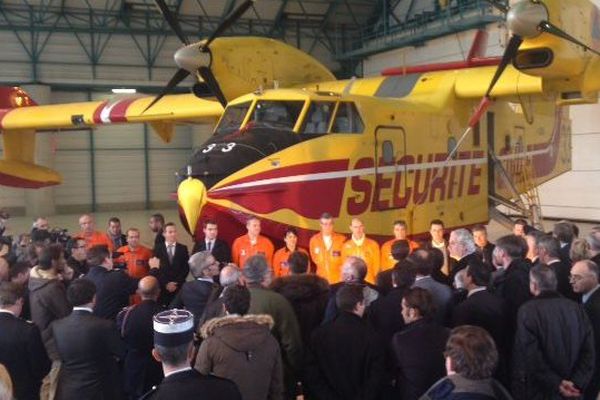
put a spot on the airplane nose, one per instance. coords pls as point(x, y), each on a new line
point(191, 196)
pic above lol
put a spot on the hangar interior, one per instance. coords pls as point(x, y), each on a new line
point(78, 50)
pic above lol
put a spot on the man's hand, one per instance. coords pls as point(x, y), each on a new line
point(568, 389)
point(171, 287)
point(154, 263)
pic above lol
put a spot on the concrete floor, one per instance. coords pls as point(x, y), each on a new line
point(139, 219)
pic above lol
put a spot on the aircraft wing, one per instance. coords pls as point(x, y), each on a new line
point(473, 83)
point(128, 109)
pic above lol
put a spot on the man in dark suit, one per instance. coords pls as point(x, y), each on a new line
point(482, 308)
point(88, 347)
point(174, 267)
point(564, 232)
point(22, 351)
point(418, 349)
point(194, 294)
point(549, 253)
point(141, 370)
point(463, 250)
point(113, 287)
point(346, 357)
point(485, 248)
point(585, 281)
point(115, 234)
point(156, 225)
point(217, 247)
point(173, 336)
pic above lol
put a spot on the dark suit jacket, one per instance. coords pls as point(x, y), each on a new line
point(220, 250)
point(192, 384)
point(87, 346)
point(486, 253)
point(563, 270)
point(418, 351)
point(592, 308)
point(174, 271)
point(158, 240)
point(513, 286)
point(23, 354)
point(141, 370)
point(193, 296)
point(113, 289)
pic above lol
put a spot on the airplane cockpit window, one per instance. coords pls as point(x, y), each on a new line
point(232, 118)
point(276, 114)
point(318, 117)
point(347, 119)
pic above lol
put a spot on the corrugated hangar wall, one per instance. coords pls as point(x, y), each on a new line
point(574, 195)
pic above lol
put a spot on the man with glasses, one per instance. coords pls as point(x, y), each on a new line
point(77, 259)
point(584, 280)
point(326, 250)
point(194, 294)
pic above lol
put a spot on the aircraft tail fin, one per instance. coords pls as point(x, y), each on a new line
point(18, 168)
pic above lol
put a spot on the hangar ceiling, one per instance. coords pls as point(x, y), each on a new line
point(128, 42)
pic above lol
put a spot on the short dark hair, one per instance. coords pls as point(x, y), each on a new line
point(49, 254)
point(208, 222)
point(348, 296)
point(563, 231)
point(298, 262)
point(158, 217)
point(479, 272)
point(403, 275)
point(9, 293)
point(96, 255)
point(18, 268)
point(173, 355)
point(515, 246)
point(326, 215)
point(436, 222)
point(550, 244)
point(80, 292)
point(290, 229)
point(114, 220)
point(421, 300)
point(472, 352)
point(400, 249)
point(544, 276)
point(423, 262)
point(479, 228)
point(165, 226)
point(520, 221)
point(400, 222)
point(237, 299)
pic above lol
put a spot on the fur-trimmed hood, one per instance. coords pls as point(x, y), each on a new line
point(241, 333)
point(305, 287)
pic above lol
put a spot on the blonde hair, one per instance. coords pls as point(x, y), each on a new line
point(580, 250)
point(6, 386)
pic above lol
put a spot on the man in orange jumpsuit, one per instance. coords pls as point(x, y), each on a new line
point(387, 260)
point(91, 236)
point(253, 243)
point(280, 258)
point(326, 250)
point(134, 255)
point(359, 245)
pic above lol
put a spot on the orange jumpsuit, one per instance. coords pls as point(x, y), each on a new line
point(95, 239)
point(368, 251)
point(387, 261)
point(280, 264)
point(328, 261)
point(137, 265)
point(243, 249)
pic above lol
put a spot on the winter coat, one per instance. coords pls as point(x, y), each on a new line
point(48, 298)
point(457, 387)
point(554, 341)
point(243, 350)
point(308, 295)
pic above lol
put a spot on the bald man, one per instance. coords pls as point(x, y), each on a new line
point(91, 236)
point(359, 245)
point(135, 324)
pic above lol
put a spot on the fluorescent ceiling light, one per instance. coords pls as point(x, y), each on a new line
point(123, 90)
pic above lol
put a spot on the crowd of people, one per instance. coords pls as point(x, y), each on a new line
point(454, 316)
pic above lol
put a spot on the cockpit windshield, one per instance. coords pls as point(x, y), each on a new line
point(276, 114)
point(232, 118)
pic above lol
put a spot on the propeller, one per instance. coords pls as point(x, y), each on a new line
point(195, 58)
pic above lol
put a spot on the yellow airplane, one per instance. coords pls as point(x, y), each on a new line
point(444, 141)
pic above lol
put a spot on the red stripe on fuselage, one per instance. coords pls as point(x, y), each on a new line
point(119, 111)
point(14, 181)
point(98, 112)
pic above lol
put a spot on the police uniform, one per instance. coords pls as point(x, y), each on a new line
point(173, 328)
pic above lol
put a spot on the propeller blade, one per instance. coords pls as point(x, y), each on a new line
point(499, 5)
point(211, 82)
point(179, 76)
point(509, 54)
point(230, 20)
point(546, 26)
point(171, 20)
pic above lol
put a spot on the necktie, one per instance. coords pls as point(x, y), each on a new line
point(209, 246)
point(171, 252)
